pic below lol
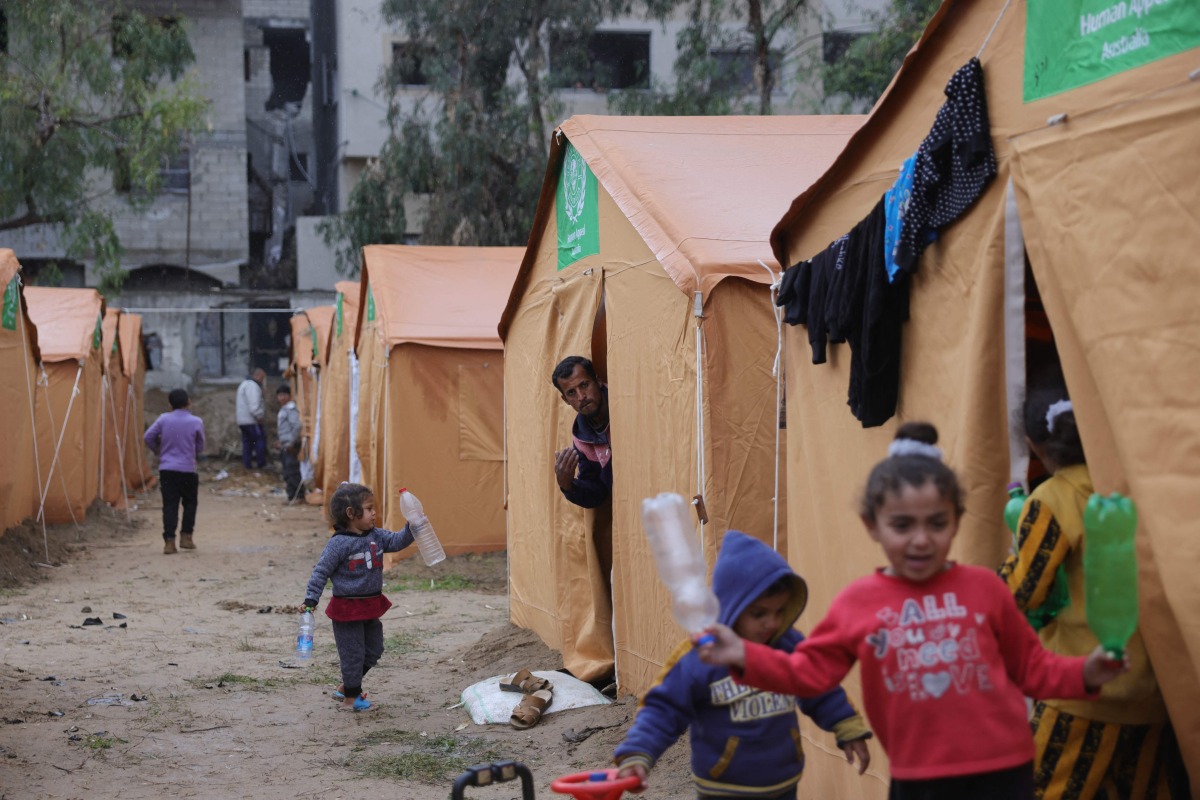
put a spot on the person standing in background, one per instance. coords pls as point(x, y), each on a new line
point(177, 438)
point(290, 432)
point(250, 411)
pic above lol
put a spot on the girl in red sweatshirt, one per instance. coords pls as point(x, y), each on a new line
point(947, 658)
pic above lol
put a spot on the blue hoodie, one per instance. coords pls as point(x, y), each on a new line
point(745, 742)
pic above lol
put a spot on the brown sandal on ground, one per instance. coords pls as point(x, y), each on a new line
point(529, 711)
point(525, 682)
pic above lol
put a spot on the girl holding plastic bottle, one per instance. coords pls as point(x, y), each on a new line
point(946, 657)
point(1119, 744)
point(353, 560)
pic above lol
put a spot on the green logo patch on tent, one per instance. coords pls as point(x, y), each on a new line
point(96, 334)
point(370, 304)
point(312, 332)
point(577, 210)
point(339, 314)
point(12, 298)
point(1071, 43)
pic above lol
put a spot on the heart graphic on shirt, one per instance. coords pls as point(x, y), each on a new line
point(954, 629)
point(936, 683)
point(979, 618)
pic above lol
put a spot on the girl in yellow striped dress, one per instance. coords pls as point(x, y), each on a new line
point(1120, 745)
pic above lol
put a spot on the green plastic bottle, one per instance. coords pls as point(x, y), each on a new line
point(1110, 570)
point(1014, 506)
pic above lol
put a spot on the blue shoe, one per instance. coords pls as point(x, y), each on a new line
point(361, 703)
point(336, 695)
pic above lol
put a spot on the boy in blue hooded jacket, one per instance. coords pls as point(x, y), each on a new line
point(745, 742)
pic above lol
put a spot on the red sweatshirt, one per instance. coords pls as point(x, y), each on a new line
point(946, 666)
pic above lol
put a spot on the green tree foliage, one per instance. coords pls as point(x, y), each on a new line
point(857, 79)
point(475, 146)
point(88, 91)
point(731, 57)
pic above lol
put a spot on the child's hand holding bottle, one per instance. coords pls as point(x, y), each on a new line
point(1100, 668)
point(727, 649)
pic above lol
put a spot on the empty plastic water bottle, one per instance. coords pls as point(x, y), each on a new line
point(422, 528)
point(1110, 570)
point(680, 563)
point(304, 639)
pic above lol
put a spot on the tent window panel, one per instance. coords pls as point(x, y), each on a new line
point(481, 411)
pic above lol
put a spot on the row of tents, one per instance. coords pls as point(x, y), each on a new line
point(72, 400)
point(656, 250)
point(665, 277)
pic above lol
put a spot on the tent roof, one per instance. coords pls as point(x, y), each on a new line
point(349, 291)
point(130, 331)
point(10, 267)
point(702, 192)
point(439, 296)
point(321, 318)
point(65, 319)
point(110, 336)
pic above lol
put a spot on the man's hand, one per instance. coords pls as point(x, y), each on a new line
point(565, 463)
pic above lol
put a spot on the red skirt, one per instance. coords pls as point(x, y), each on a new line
point(356, 609)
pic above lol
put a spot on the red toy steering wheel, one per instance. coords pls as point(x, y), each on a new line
point(598, 785)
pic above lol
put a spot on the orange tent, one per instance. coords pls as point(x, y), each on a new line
point(69, 400)
point(310, 336)
point(675, 309)
point(113, 398)
point(132, 415)
point(431, 386)
point(338, 390)
point(1096, 186)
point(19, 356)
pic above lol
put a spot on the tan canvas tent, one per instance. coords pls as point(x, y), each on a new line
point(431, 388)
point(337, 392)
point(310, 337)
point(132, 414)
point(113, 394)
point(1104, 197)
point(19, 357)
point(68, 398)
point(683, 208)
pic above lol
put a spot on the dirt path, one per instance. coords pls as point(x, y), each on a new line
point(187, 694)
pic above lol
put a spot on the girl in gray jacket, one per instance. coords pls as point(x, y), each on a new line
point(353, 560)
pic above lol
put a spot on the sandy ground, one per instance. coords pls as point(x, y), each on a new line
point(189, 692)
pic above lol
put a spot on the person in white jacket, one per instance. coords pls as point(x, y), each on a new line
point(250, 411)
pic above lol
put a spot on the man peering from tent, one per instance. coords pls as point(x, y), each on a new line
point(250, 411)
point(576, 381)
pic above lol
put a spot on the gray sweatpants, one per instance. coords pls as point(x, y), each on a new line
point(360, 645)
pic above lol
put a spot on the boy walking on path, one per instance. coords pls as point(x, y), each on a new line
point(250, 411)
point(290, 432)
point(177, 438)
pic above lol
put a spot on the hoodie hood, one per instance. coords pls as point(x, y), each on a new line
point(745, 568)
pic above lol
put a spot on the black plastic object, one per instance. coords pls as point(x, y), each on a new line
point(488, 774)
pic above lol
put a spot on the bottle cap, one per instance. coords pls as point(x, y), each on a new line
point(1010, 487)
point(402, 490)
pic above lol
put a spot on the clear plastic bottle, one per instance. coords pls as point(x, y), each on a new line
point(304, 639)
point(422, 528)
point(680, 563)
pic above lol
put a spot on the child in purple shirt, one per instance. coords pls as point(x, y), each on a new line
point(177, 438)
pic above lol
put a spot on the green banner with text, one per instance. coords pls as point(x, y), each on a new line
point(577, 209)
point(1071, 43)
point(12, 299)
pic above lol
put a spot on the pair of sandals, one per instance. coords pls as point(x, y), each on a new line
point(539, 693)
